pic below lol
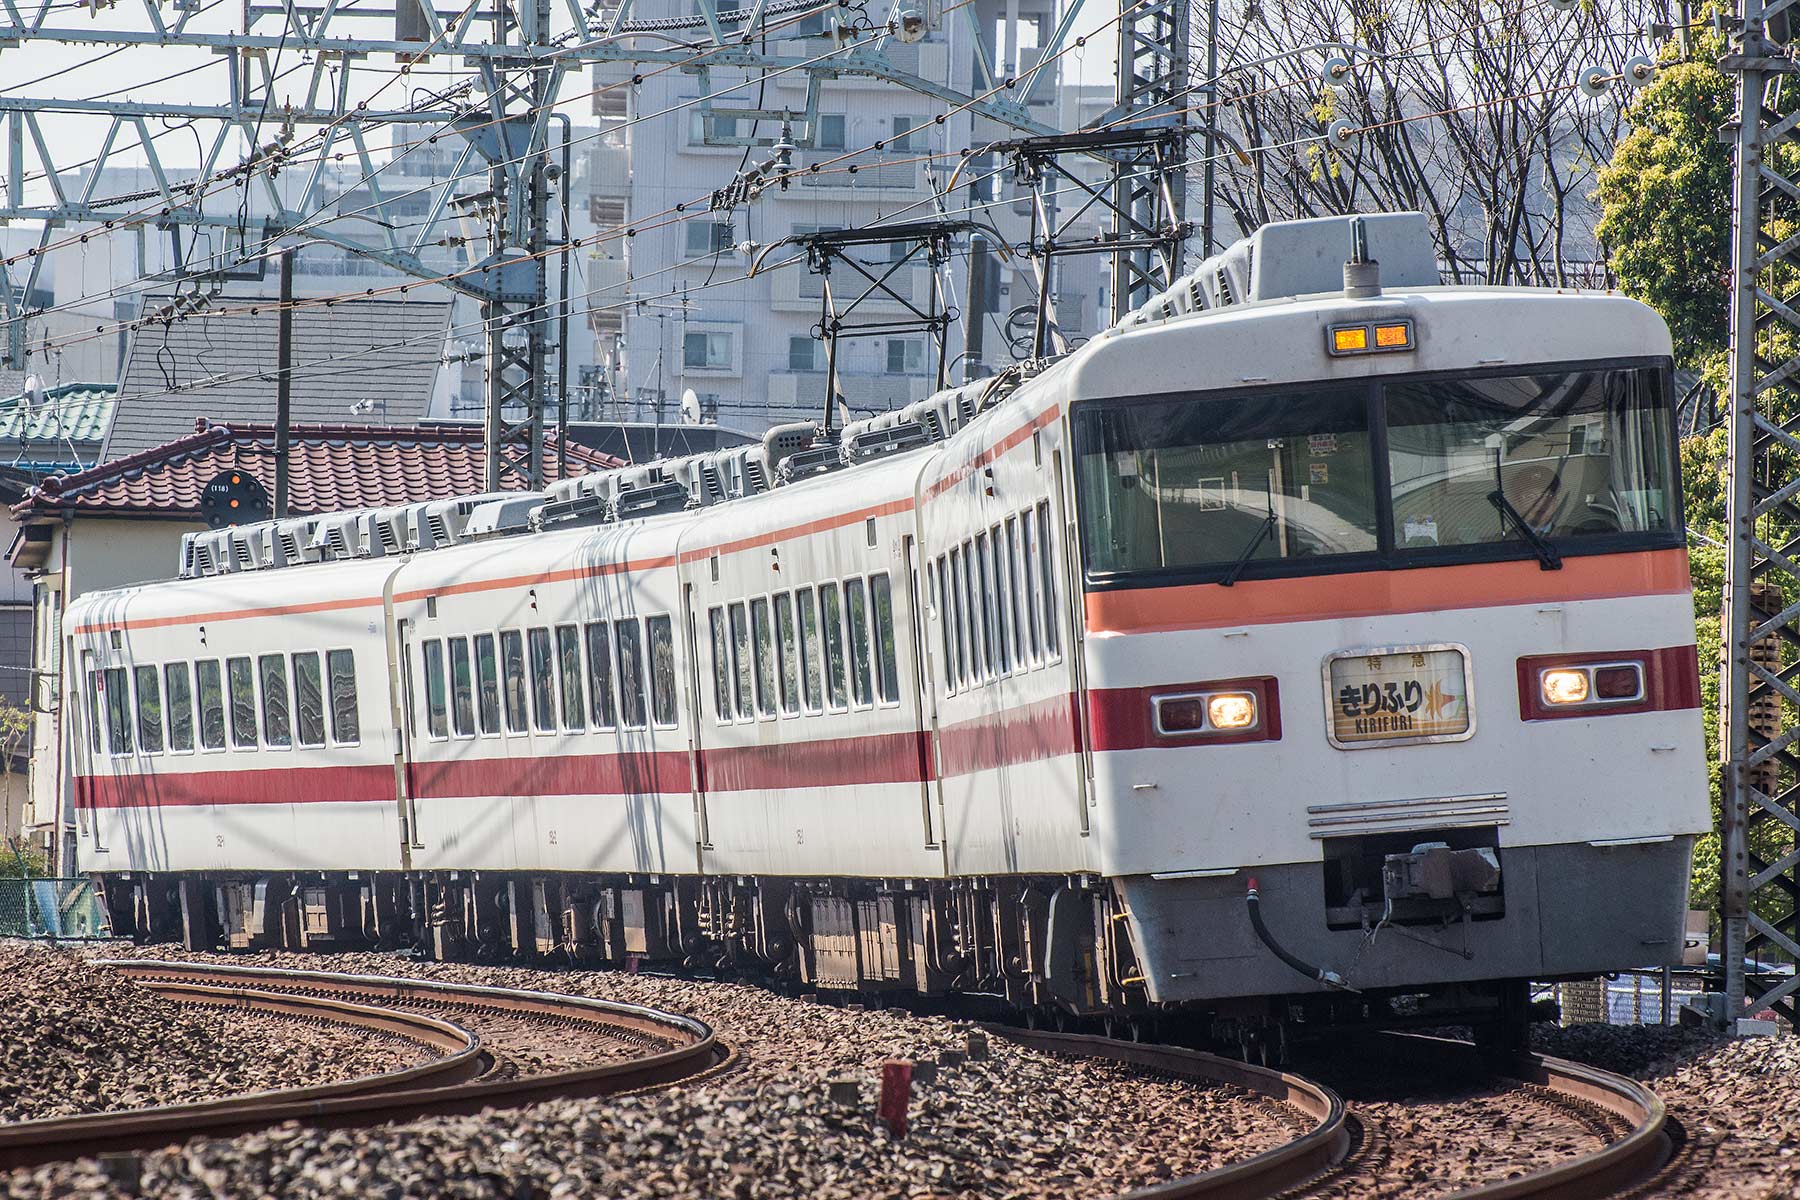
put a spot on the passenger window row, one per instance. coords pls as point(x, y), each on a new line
point(996, 600)
point(148, 709)
point(570, 677)
point(812, 649)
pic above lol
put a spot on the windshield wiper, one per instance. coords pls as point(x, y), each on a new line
point(1262, 532)
point(1548, 558)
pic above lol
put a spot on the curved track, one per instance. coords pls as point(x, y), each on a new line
point(492, 1047)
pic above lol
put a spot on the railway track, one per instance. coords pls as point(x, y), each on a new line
point(487, 1047)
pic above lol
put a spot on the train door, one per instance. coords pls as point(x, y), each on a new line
point(925, 717)
point(1073, 625)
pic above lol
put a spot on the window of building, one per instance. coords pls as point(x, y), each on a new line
point(831, 132)
point(708, 237)
point(240, 681)
point(741, 668)
point(1047, 566)
point(721, 656)
point(804, 354)
point(881, 604)
point(487, 683)
point(703, 125)
point(812, 688)
point(346, 722)
point(118, 710)
point(309, 700)
point(462, 688)
point(905, 356)
point(179, 696)
point(909, 134)
point(600, 684)
point(763, 637)
point(631, 673)
point(663, 707)
point(149, 710)
point(708, 349)
point(543, 680)
point(568, 673)
point(832, 614)
point(212, 704)
point(788, 663)
point(862, 671)
point(277, 719)
point(512, 679)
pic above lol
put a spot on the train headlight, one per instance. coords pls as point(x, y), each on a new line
point(1567, 685)
point(1232, 710)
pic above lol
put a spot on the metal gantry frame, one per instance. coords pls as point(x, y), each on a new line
point(1146, 233)
point(1760, 677)
point(1153, 89)
point(925, 243)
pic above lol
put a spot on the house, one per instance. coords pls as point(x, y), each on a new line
point(122, 522)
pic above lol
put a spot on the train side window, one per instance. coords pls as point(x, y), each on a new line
point(309, 700)
point(568, 670)
point(1047, 564)
point(789, 662)
point(631, 674)
point(278, 727)
point(1028, 583)
point(462, 688)
point(812, 689)
point(959, 666)
point(721, 657)
point(1003, 626)
point(487, 683)
point(240, 682)
point(346, 722)
point(436, 710)
point(600, 685)
point(856, 609)
point(118, 711)
point(178, 696)
point(1015, 594)
point(763, 638)
point(512, 679)
point(881, 603)
point(662, 671)
point(149, 709)
point(972, 603)
point(543, 681)
point(832, 615)
point(942, 601)
point(740, 658)
point(95, 742)
point(212, 704)
point(990, 631)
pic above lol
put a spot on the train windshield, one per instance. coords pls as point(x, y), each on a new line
point(1398, 472)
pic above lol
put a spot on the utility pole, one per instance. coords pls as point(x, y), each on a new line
point(284, 379)
point(1208, 178)
point(1760, 779)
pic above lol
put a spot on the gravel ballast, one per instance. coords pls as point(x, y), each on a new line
point(1016, 1123)
point(76, 1037)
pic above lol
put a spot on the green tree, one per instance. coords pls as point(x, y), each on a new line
point(1665, 201)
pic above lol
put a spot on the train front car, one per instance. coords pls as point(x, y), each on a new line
point(1387, 617)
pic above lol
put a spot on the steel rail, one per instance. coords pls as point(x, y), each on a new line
point(1276, 1170)
point(683, 1047)
point(1616, 1166)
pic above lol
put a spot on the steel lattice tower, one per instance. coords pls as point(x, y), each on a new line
point(1760, 679)
point(1150, 183)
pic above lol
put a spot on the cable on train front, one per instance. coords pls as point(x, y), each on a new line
point(1386, 604)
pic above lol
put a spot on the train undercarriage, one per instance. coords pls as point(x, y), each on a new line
point(1041, 950)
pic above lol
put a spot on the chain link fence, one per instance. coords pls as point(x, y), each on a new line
point(51, 908)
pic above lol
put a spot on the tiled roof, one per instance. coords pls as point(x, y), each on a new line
point(76, 412)
point(356, 362)
point(331, 468)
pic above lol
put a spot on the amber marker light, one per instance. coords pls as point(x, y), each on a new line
point(1393, 337)
point(1350, 339)
point(1564, 686)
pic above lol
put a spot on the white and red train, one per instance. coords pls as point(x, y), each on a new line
point(1374, 596)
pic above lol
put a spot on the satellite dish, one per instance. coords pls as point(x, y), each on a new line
point(690, 407)
point(34, 391)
